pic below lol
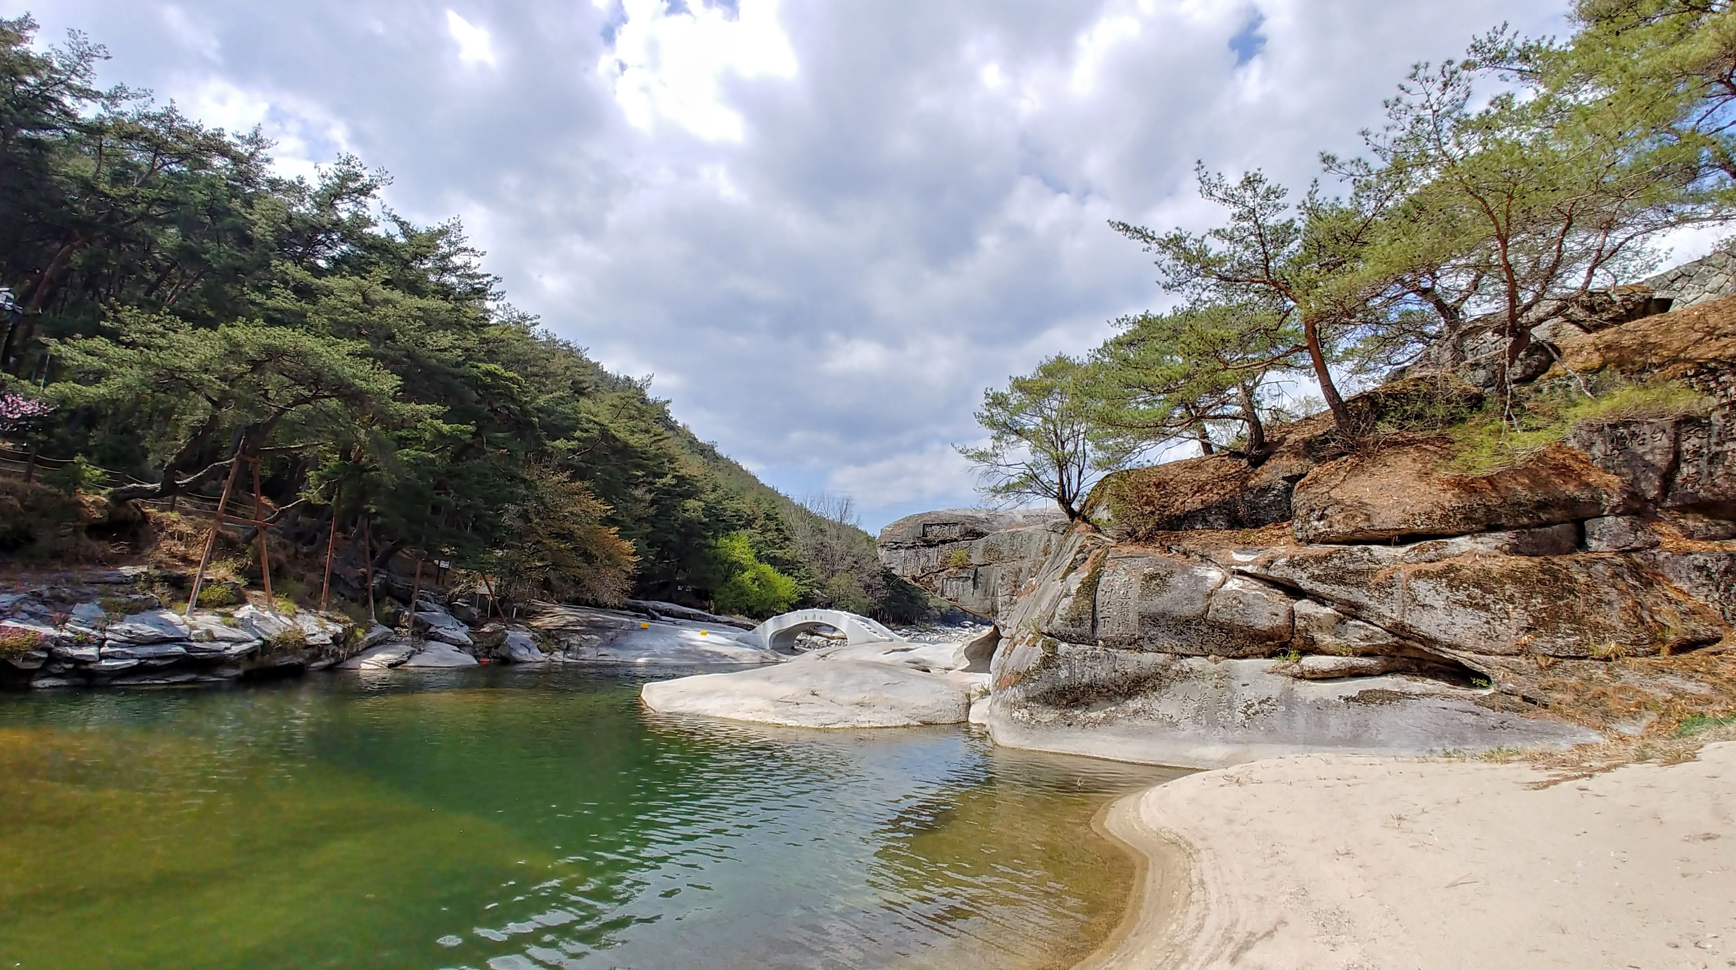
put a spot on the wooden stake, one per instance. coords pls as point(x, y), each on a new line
point(368, 567)
point(211, 540)
point(325, 588)
point(493, 601)
point(264, 551)
point(415, 591)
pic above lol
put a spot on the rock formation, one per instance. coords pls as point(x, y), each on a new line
point(1384, 597)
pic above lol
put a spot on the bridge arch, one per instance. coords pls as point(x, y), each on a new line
point(779, 632)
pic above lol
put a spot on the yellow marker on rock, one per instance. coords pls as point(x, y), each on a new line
point(644, 626)
point(702, 633)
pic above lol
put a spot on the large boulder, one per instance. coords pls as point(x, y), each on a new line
point(443, 627)
point(817, 693)
point(1408, 493)
point(1219, 491)
point(1681, 462)
point(437, 654)
point(606, 636)
point(1484, 595)
point(1209, 712)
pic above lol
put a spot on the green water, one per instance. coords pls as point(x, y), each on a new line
point(514, 820)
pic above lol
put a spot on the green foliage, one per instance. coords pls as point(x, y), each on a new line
point(292, 640)
point(959, 558)
point(844, 592)
point(217, 595)
point(1489, 441)
point(752, 588)
point(1040, 443)
point(559, 547)
point(1700, 724)
point(1181, 374)
point(188, 306)
point(73, 477)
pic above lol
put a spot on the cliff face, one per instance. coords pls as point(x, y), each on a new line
point(1390, 597)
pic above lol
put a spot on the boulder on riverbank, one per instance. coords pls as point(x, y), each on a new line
point(869, 685)
point(589, 635)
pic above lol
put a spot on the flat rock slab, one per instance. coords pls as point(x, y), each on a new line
point(817, 693)
point(380, 656)
point(436, 654)
point(444, 627)
point(151, 626)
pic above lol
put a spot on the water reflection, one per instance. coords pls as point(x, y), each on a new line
point(508, 819)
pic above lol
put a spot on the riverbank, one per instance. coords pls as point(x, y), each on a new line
point(1348, 861)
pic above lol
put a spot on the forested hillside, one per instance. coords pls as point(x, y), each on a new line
point(173, 304)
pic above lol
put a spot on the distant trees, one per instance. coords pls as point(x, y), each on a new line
point(1528, 173)
point(180, 307)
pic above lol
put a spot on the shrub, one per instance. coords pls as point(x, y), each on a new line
point(843, 592)
point(759, 590)
point(960, 558)
point(291, 640)
point(216, 595)
point(15, 641)
point(1486, 443)
point(73, 477)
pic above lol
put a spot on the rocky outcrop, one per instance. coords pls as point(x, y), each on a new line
point(109, 629)
point(1352, 499)
point(977, 560)
point(1382, 598)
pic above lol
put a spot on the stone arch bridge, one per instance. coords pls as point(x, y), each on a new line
point(779, 632)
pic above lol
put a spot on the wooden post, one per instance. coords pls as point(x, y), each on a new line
point(415, 591)
point(211, 540)
point(30, 466)
point(325, 588)
point(264, 550)
point(368, 567)
point(493, 601)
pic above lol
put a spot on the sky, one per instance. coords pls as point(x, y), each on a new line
point(824, 226)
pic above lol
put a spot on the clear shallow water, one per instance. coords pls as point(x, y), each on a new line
point(515, 820)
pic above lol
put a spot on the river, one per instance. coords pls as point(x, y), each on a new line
point(527, 819)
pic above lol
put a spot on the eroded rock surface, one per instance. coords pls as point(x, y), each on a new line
point(868, 685)
point(1378, 598)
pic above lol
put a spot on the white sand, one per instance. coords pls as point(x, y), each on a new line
point(1359, 862)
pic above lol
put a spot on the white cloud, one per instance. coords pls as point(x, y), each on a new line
point(937, 472)
point(825, 227)
point(671, 65)
point(189, 33)
point(303, 135)
point(475, 45)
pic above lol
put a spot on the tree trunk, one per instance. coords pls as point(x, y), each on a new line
point(1257, 448)
point(1204, 438)
point(1328, 388)
point(18, 341)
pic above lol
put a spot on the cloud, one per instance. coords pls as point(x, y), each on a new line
point(825, 227)
point(668, 62)
point(475, 46)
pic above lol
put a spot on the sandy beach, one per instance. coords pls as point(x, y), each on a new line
point(1359, 862)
